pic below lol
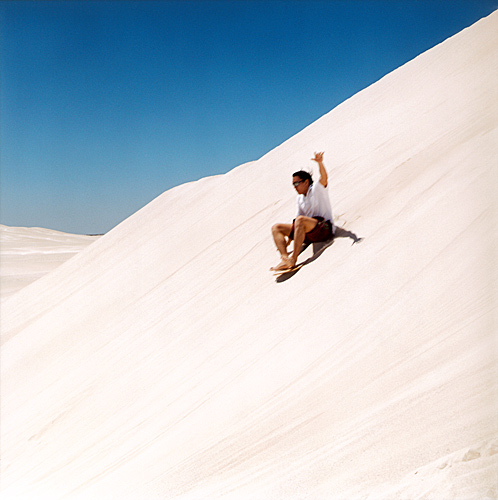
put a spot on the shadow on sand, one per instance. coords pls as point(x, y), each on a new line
point(318, 249)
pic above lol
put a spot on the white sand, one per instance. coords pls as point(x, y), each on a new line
point(27, 254)
point(165, 362)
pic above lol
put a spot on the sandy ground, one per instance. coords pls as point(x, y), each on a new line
point(166, 362)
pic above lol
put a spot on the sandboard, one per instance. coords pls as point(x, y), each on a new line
point(288, 270)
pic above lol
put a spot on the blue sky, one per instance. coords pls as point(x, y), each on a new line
point(107, 104)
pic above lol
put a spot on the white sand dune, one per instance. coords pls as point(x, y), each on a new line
point(165, 362)
point(27, 254)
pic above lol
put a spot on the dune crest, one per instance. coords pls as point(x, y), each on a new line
point(164, 361)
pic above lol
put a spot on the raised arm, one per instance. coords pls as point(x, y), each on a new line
point(323, 173)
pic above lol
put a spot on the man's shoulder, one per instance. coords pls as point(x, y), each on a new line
point(318, 186)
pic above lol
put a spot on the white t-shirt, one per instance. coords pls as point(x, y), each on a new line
point(316, 203)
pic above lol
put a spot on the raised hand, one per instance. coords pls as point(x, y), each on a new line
point(323, 173)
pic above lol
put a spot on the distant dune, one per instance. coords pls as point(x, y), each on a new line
point(164, 361)
point(27, 254)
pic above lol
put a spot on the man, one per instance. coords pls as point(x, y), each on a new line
point(313, 222)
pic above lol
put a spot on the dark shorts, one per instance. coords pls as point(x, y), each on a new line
point(321, 232)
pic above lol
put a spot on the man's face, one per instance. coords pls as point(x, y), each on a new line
point(300, 185)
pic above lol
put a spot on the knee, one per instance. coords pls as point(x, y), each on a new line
point(299, 220)
point(276, 228)
point(281, 229)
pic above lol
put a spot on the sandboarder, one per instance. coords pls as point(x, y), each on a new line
point(313, 222)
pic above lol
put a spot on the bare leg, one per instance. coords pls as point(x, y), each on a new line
point(302, 225)
point(280, 234)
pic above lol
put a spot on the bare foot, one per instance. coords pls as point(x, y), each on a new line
point(285, 263)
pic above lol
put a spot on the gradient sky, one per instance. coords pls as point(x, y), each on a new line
point(107, 104)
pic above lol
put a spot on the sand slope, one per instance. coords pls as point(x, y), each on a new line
point(27, 254)
point(164, 361)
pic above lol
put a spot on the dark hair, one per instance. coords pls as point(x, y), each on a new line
point(303, 175)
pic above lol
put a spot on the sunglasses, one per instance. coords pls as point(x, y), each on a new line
point(295, 184)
